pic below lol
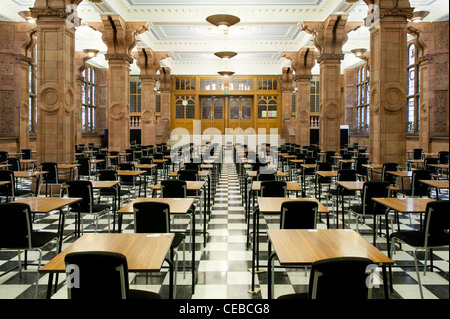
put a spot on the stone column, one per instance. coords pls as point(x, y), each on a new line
point(148, 62)
point(287, 130)
point(431, 42)
point(387, 21)
point(302, 62)
point(329, 37)
point(55, 79)
point(120, 38)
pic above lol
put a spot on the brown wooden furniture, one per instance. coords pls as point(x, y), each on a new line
point(437, 184)
point(144, 253)
point(299, 247)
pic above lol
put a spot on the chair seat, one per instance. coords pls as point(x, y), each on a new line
point(358, 210)
point(112, 192)
point(41, 238)
point(96, 208)
point(142, 294)
point(179, 237)
point(413, 238)
point(17, 192)
point(345, 192)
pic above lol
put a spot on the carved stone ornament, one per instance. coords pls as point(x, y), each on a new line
point(394, 96)
point(115, 112)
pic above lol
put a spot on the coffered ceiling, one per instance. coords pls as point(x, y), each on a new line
point(266, 29)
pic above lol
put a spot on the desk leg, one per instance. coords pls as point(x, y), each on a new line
point(170, 262)
point(204, 218)
point(252, 290)
point(49, 285)
point(193, 251)
point(62, 220)
point(270, 281)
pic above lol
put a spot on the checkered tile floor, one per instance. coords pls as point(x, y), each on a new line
point(223, 264)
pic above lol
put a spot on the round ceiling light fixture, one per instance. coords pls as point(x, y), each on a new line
point(225, 55)
point(27, 16)
point(223, 21)
point(359, 52)
point(226, 73)
point(90, 52)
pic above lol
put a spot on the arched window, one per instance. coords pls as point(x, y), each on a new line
point(362, 99)
point(32, 90)
point(89, 101)
point(413, 91)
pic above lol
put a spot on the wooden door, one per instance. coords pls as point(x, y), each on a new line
point(240, 112)
point(213, 109)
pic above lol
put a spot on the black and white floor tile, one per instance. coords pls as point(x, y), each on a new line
point(223, 263)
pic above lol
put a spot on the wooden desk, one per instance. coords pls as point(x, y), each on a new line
point(406, 205)
point(272, 205)
point(298, 247)
point(144, 253)
point(437, 184)
point(45, 205)
point(31, 174)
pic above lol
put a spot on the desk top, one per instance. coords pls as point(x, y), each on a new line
point(327, 173)
point(373, 166)
point(190, 186)
point(2, 183)
point(130, 173)
point(200, 174)
point(400, 173)
point(28, 173)
point(405, 205)
point(272, 205)
point(145, 166)
point(177, 205)
point(131, 245)
point(290, 186)
point(305, 246)
point(436, 183)
point(47, 204)
point(254, 174)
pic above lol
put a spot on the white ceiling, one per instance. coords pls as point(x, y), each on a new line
point(267, 28)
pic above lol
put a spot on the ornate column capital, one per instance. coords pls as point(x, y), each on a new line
point(149, 61)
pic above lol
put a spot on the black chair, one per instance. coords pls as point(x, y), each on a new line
point(299, 215)
point(14, 162)
point(100, 274)
point(273, 189)
point(434, 234)
point(26, 153)
point(10, 191)
point(84, 170)
point(431, 160)
point(320, 180)
point(345, 175)
point(344, 278)
point(368, 207)
point(173, 188)
point(443, 157)
point(131, 182)
point(3, 156)
point(328, 158)
point(363, 172)
point(308, 172)
point(114, 162)
point(83, 189)
point(192, 166)
point(154, 217)
point(51, 177)
point(100, 165)
point(417, 154)
point(130, 157)
point(386, 176)
point(160, 165)
point(16, 233)
point(418, 189)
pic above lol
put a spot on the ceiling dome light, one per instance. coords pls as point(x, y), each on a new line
point(226, 73)
point(225, 55)
point(419, 15)
point(90, 52)
point(223, 21)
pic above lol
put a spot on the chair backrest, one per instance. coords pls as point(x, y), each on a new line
point(173, 188)
point(388, 167)
point(273, 189)
point(100, 165)
point(310, 160)
point(97, 274)
point(437, 223)
point(52, 171)
point(188, 175)
point(328, 155)
point(7, 175)
point(418, 188)
point(443, 157)
point(359, 162)
point(430, 160)
point(266, 175)
point(417, 153)
point(373, 189)
point(85, 166)
point(347, 175)
point(151, 217)
point(16, 226)
point(26, 153)
point(145, 160)
point(15, 163)
point(299, 215)
point(82, 189)
point(339, 278)
point(324, 166)
point(3, 156)
point(107, 175)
